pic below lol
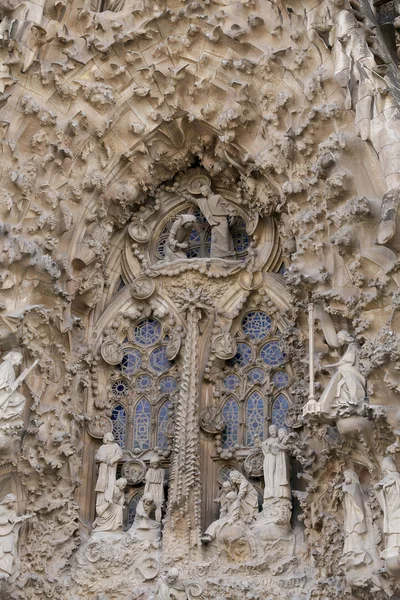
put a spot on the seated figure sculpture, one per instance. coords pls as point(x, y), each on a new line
point(145, 528)
point(178, 238)
point(110, 515)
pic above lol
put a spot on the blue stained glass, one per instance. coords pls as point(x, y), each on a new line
point(254, 418)
point(225, 473)
point(118, 418)
point(143, 382)
point(168, 385)
point(231, 382)
point(242, 357)
point(194, 236)
point(131, 361)
point(121, 284)
point(256, 375)
point(272, 354)
point(161, 247)
point(279, 411)
point(241, 241)
point(120, 388)
point(200, 218)
point(230, 433)
point(141, 425)
point(256, 325)
point(282, 269)
point(158, 360)
point(132, 508)
point(193, 252)
point(147, 332)
point(163, 417)
point(280, 379)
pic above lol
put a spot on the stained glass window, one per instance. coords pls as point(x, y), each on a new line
point(279, 410)
point(121, 284)
point(120, 388)
point(256, 375)
point(242, 357)
point(282, 269)
point(131, 361)
point(158, 360)
point(143, 382)
point(161, 247)
point(241, 241)
point(132, 508)
point(230, 433)
point(147, 332)
point(118, 418)
point(163, 417)
point(254, 418)
point(256, 325)
point(168, 385)
point(271, 353)
point(280, 379)
point(231, 382)
point(141, 425)
point(225, 472)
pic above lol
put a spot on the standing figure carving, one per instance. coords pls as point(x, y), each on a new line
point(246, 495)
point(108, 456)
point(12, 403)
point(388, 491)
point(10, 525)
point(155, 485)
point(355, 529)
point(178, 238)
point(344, 395)
point(217, 211)
point(276, 464)
point(110, 514)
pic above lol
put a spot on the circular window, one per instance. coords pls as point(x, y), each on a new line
point(120, 388)
point(272, 354)
point(131, 361)
point(256, 325)
point(256, 375)
point(280, 379)
point(158, 360)
point(147, 332)
point(168, 385)
point(231, 382)
point(143, 382)
point(242, 356)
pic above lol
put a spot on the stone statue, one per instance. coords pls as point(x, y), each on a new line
point(108, 456)
point(217, 210)
point(110, 514)
point(169, 586)
point(246, 495)
point(276, 464)
point(155, 485)
point(12, 403)
point(388, 491)
point(355, 528)
point(344, 395)
point(178, 238)
point(229, 516)
point(144, 527)
point(222, 498)
point(10, 525)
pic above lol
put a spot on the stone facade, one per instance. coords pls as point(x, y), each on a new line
point(199, 300)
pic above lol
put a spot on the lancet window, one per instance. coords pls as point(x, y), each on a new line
point(142, 385)
point(255, 383)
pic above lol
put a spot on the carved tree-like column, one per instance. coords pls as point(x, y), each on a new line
point(183, 526)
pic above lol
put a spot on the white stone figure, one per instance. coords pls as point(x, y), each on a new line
point(10, 525)
point(178, 237)
point(230, 516)
point(222, 498)
point(12, 403)
point(345, 393)
point(276, 464)
point(155, 485)
point(108, 456)
point(389, 497)
point(110, 514)
point(217, 210)
point(144, 527)
point(169, 587)
point(246, 495)
point(355, 528)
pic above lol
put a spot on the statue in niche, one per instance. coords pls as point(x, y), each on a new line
point(217, 212)
point(108, 456)
point(155, 485)
point(345, 393)
point(276, 464)
point(12, 403)
point(388, 491)
point(355, 547)
point(10, 525)
point(247, 496)
point(110, 514)
point(178, 237)
point(144, 527)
